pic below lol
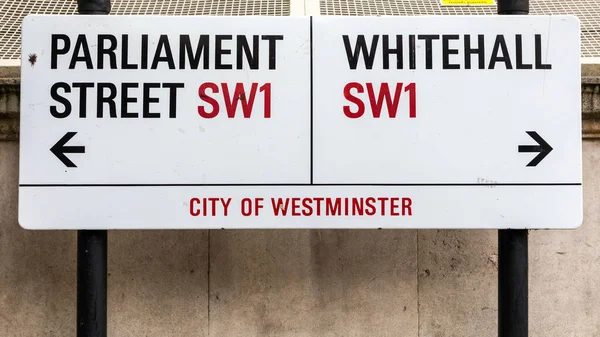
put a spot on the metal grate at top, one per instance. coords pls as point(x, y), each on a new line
point(588, 12)
point(12, 13)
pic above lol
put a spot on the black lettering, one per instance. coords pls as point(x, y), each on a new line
point(144, 64)
point(219, 51)
point(361, 46)
point(173, 97)
point(519, 53)
point(55, 51)
point(55, 96)
point(272, 49)
point(81, 43)
point(446, 52)
point(538, 54)
point(428, 49)
point(500, 44)
point(124, 54)
point(412, 52)
point(83, 86)
point(147, 100)
point(110, 51)
point(163, 43)
point(185, 48)
point(125, 99)
point(387, 51)
point(244, 48)
point(480, 51)
point(101, 99)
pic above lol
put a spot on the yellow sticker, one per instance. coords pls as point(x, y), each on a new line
point(468, 2)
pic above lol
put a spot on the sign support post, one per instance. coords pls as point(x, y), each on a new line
point(92, 247)
point(512, 283)
point(513, 292)
point(91, 283)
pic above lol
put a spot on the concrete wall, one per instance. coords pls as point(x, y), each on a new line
point(300, 283)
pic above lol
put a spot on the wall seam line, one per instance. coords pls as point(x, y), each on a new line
point(208, 287)
point(418, 290)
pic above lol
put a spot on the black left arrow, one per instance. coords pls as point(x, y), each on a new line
point(543, 148)
point(59, 149)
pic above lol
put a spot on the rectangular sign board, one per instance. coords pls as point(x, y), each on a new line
point(145, 122)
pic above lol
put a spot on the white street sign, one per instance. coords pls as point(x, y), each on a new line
point(299, 122)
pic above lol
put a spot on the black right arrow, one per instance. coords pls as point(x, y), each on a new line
point(542, 148)
point(59, 149)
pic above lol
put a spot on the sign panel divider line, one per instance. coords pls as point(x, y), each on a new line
point(305, 184)
point(311, 98)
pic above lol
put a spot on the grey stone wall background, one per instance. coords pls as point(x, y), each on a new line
point(298, 283)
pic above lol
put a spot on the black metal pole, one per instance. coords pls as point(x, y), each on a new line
point(100, 7)
point(92, 247)
point(91, 283)
point(512, 283)
point(513, 291)
point(513, 7)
